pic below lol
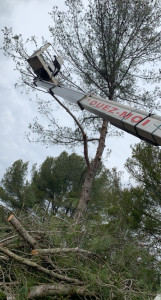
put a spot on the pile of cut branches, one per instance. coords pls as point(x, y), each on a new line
point(26, 251)
point(48, 257)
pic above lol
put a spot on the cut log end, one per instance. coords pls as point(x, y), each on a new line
point(34, 252)
point(10, 217)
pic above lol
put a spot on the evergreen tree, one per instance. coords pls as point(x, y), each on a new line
point(145, 168)
point(14, 185)
point(57, 183)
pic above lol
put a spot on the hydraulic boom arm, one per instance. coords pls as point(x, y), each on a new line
point(136, 122)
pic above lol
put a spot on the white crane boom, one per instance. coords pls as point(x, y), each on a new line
point(141, 124)
point(136, 122)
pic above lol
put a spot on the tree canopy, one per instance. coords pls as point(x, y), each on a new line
point(14, 184)
point(57, 183)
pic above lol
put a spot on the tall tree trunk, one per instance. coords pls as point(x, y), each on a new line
point(91, 172)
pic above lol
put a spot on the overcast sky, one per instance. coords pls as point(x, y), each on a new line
point(16, 111)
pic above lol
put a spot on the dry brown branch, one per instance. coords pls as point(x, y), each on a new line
point(58, 289)
point(60, 250)
point(32, 264)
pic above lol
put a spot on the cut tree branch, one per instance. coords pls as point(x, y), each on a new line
point(61, 250)
point(34, 265)
point(27, 237)
point(22, 231)
point(58, 289)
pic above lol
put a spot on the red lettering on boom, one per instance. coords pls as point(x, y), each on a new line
point(106, 107)
point(94, 102)
point(100, 105)
point(128, 116)
point(146, 122)
point(136, 119)
point(112, 110)
point(123, 114)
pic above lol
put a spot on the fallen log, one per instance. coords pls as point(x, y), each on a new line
point(61, 250)
point(32, 264)
point(58, 289)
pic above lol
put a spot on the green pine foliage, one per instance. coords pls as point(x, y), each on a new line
point(13, 184)
point(121, 228)
point(57, 183)
point(118, 268)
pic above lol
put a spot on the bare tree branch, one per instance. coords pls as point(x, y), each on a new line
point(34, 265)
point(80, 127)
